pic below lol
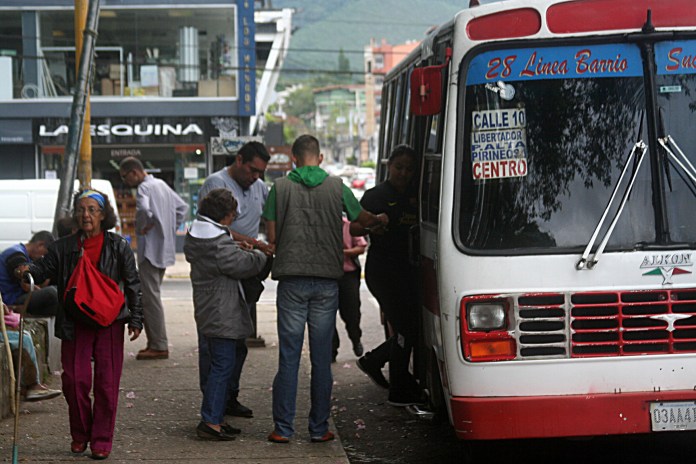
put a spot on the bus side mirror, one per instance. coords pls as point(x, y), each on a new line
point(426, 90)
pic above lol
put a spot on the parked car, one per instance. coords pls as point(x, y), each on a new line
point(362, 177)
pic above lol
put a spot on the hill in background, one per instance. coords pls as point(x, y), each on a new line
point(326, 27)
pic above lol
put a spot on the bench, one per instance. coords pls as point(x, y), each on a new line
point(47, 354)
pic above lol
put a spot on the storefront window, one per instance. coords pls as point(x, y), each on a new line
point(10, 51)
point(156, 52)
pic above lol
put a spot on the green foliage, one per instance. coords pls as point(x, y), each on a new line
point(343, 66)
point(368, 164)
point(300, 103)
point(293, 128)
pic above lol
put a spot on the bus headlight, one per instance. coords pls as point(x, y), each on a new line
point(486, 316)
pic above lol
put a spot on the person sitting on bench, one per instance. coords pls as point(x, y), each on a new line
point(30, 378)
point(13, 262)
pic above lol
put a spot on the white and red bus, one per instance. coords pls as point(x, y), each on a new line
point(557, 226)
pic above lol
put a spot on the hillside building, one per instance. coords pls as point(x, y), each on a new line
point(379, 59)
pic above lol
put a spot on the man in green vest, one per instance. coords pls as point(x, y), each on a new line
point(304, 222)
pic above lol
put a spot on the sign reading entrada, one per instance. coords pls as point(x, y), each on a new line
point(128, 130)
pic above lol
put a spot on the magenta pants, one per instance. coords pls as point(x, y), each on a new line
point(93, 422)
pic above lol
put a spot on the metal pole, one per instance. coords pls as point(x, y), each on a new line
point(18, 375)
point(77, 114)
point(84, 168)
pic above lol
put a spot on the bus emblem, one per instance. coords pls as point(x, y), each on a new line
point(667, 265)
point(670, 319)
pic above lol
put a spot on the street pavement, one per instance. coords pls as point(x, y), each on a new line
point(160, 400)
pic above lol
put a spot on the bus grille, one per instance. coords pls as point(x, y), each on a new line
point(600, 324)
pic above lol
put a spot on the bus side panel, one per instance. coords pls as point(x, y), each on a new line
point(435, 374)
point(558, 416)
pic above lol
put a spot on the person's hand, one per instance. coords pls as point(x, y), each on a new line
point(266, 248)
point(383, 218)
point(146, 229)
point(244, 245)
point(133, 333)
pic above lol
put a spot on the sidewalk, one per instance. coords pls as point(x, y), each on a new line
point(160, 401)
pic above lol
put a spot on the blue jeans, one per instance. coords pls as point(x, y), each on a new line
point(312, 301)
point(28, 347)
point(241, 351)
point(222, 358)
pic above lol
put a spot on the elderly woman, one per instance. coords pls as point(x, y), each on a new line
point(220, 308)
point(92, 421)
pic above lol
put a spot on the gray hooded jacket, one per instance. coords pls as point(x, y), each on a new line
point(217, 265)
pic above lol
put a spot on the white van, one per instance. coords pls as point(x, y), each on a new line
point(29, 205)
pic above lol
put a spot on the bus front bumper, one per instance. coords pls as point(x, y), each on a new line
point(572, 415)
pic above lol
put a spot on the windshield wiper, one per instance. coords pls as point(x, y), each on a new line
point(684, 162)
point(585, 262)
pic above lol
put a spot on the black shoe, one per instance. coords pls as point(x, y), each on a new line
point(405, 398)
point(228, 429)
point(373, 372)
point(237, 409)
point(358, 348)
point(205, 432)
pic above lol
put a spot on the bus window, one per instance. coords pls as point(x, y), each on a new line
point(542, 153)
point(433, 138)
point(406, 129)
point(676, 100)
point(385, 122)
point(397, 121)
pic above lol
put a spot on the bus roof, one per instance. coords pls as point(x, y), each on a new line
point(520, 19)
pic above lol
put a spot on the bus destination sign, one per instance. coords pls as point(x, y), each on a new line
point(499, 144)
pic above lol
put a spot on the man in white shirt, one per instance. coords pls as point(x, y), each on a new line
point(159, 213)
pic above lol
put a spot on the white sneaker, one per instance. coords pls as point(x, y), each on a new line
point(40, 392)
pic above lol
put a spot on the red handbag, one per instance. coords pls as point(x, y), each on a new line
point(92, 297)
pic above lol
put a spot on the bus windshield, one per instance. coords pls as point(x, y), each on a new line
point(545, 134)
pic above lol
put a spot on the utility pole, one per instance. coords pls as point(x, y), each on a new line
point(84, 168)
point(86, 21)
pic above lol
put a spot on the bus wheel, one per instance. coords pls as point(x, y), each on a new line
point(436, 397)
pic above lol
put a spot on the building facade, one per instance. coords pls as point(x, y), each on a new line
point(173, 82)
point(379, 59)
point(339, 120)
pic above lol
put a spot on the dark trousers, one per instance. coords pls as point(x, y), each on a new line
point(396, 291)
point(204, 364)
point(222, 360)
point(93, 417)
point(44, 302)
point(349, 307)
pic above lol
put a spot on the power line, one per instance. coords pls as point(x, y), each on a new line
point(69, 42)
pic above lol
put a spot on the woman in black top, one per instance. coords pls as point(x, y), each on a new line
point(392, 278)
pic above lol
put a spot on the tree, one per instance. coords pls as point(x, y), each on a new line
point(343, 66)
point(300, 103)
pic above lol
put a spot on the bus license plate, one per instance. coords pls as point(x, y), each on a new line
point(673, 416)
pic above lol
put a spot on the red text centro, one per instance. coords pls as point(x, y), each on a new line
point(499, 169)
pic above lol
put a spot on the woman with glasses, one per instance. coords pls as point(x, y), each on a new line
point(92, 419)
point(222, 316)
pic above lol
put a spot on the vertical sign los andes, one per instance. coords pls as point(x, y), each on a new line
point(247, 58)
